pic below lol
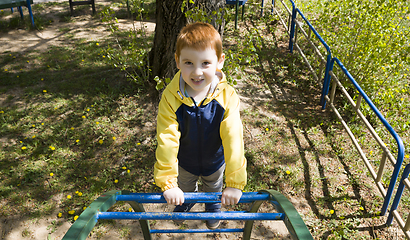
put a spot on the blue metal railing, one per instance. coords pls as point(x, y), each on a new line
point(404, 182)
point(329, 63)
point(326, 81)
point(400, 145)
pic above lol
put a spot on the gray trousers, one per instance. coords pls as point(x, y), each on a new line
point(188, 182)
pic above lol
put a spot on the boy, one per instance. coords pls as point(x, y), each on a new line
point(199, 130)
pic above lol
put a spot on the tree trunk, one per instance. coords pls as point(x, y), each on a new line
point(210, 6)
point(169, 21)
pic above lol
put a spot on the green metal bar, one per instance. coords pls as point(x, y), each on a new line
point(247, 230)
point(138, 207)
point(294, 223)
point(87, 220)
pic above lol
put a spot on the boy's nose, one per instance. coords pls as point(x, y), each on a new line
point(198, 71)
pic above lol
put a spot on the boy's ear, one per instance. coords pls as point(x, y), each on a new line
point(177, 60)
point(221, 61)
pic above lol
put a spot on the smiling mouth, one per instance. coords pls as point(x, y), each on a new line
point(196, 80)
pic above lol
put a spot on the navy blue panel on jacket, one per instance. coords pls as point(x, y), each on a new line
point(200, 149)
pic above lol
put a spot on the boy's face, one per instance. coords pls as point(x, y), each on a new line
point(198, 67)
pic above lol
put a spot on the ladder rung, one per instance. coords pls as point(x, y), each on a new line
point(190, 216)
point(225, 230)
point(196, 197)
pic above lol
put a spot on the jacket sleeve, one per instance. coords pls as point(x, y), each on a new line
point(166, 167)
point(232, 141)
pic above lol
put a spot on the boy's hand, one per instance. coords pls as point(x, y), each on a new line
point(231, 196)
point(174, 196)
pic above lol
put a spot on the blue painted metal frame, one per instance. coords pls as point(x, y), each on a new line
point(18, 4)
point(399, 141)
point(399, 193)
point(98, 210)
point(237, 3)
point(326, 80)
point(262, 4)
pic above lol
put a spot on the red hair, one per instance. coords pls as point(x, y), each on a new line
point(199, 36)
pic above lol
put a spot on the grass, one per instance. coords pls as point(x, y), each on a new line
point(72, 127)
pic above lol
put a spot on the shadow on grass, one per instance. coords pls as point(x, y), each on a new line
point(296, 97)
point(66, 111)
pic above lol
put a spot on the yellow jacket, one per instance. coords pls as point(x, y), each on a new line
point(199, 138)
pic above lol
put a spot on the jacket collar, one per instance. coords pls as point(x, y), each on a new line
point(177, 85)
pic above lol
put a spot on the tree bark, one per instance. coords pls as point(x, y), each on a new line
point(169, 21)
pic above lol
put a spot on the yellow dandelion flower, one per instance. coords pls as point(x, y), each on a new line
point(267, 129)
point(332, 211)
point(361, 208)
point(72, 128)
point(34, 136)
point(101, 141)
point(51, 174)
point(79, 194)
point(341, 217)
point(44, 91)
point(42, 124)
point(88, 109)
point(23, 148)
point(407, 156)
point(124, 168)
point(76, 192)
point(116, 181)
point(71, 212)
point(68, 196)
point(97, 123)
point(28, 61)
point(97, 44)
point(33, 125)
point(287, 172)
point(83, 116)
point(5, 70)
point(75, 218)
point(82, 60)
point(129, 209)
point(84, 208)
point(77, 140)
point(103, 56)
point(1, 111)
point(52, 148)
point(59, 215)
point(128, 171)
point(113, 138)
point(138, 144)
point(42, 79)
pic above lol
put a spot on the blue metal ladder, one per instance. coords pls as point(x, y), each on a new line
point(98, 210)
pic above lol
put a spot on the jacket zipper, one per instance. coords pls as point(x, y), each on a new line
point(198, 121)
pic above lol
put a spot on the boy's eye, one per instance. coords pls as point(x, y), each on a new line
point(188, 63)
point(206, 63)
